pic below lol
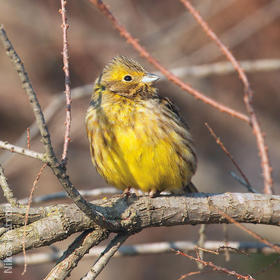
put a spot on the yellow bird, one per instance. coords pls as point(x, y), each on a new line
point(137, 138)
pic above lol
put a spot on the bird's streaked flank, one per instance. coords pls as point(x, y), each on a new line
point(137, 138)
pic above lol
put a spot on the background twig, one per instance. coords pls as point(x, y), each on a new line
point(105, 256)
point(65, 54)
point(248, 95)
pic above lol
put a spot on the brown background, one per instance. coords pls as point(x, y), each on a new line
point(168, 31)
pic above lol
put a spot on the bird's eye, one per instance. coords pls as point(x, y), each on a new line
point(127, 78)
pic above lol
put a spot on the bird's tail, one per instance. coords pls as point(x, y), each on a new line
point(190, 188)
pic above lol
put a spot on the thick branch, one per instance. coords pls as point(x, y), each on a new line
point(58, 224)
point(136, 213)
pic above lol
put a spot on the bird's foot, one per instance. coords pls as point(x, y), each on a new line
point(126, 193)
point(154, 193)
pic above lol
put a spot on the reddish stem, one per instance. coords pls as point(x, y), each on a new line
point(248, 94)
point(143, 52)
point(65, 27)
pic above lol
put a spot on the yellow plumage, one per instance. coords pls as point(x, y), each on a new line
point(137, 138)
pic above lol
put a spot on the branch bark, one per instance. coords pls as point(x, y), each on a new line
point(133, 214)
point(75, 253)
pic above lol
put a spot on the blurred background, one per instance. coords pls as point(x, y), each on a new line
point(250, 28)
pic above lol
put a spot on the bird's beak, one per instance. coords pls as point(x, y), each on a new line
point(150, 78)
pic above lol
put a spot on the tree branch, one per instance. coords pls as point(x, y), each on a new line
point(105, 256)
point(136, 213)
point(75, 252)
point(8, 193)
point(154, 249)
point(65, 54)
point(248, 97)
point(57, 168)
point(57, 225)
point(22, 151)
point(143, 52)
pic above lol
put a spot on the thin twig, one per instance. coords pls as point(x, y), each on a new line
point(27, 214)
point(26, 84)
point(75, 252)
point(242, 182)
point(220, 143)
point(253, 234)
point(53, 162)
point(143, 52)
point(268, 267)
point(225, 67)
point(200, 243)
point(28, 137)
point(210, 246)
point(225, 231)
point(248, 95)
point(8, 193)
point(65, 54)
point(216, 267)
point(61, 195)
point(85, 193)
point(54, 107)
point(105, 256)
point(22, 151)
point(185, 276)
point(219, 68)
point(245, 28)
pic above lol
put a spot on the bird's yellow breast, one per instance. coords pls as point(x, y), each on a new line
point(131, 147)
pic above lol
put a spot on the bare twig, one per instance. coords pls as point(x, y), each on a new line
point(52, 161)
point(60, 195)
point(28, 137)
point(54, 106)
point(143, 52)
point(253, 234)
point(268, 267)
point(65, 54)
point(200, 243)
point(26, 84)
point(8, 193)
point(242, 182)
point(23, 151)
point(218, 68)
point(248, 95)
point(225, 67)
point(210, 246)
point(105, 256)
point(216, 267)
point(76, 252)
point(27, 214)
point(220, 143)
point(234, 36)
point(225, 231)
point(185, 276)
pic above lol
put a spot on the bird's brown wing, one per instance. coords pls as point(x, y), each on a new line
point(173, 109)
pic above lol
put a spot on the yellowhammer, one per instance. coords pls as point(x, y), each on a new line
point(137, 138)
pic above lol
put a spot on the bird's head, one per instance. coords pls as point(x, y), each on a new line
point(126, 77)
